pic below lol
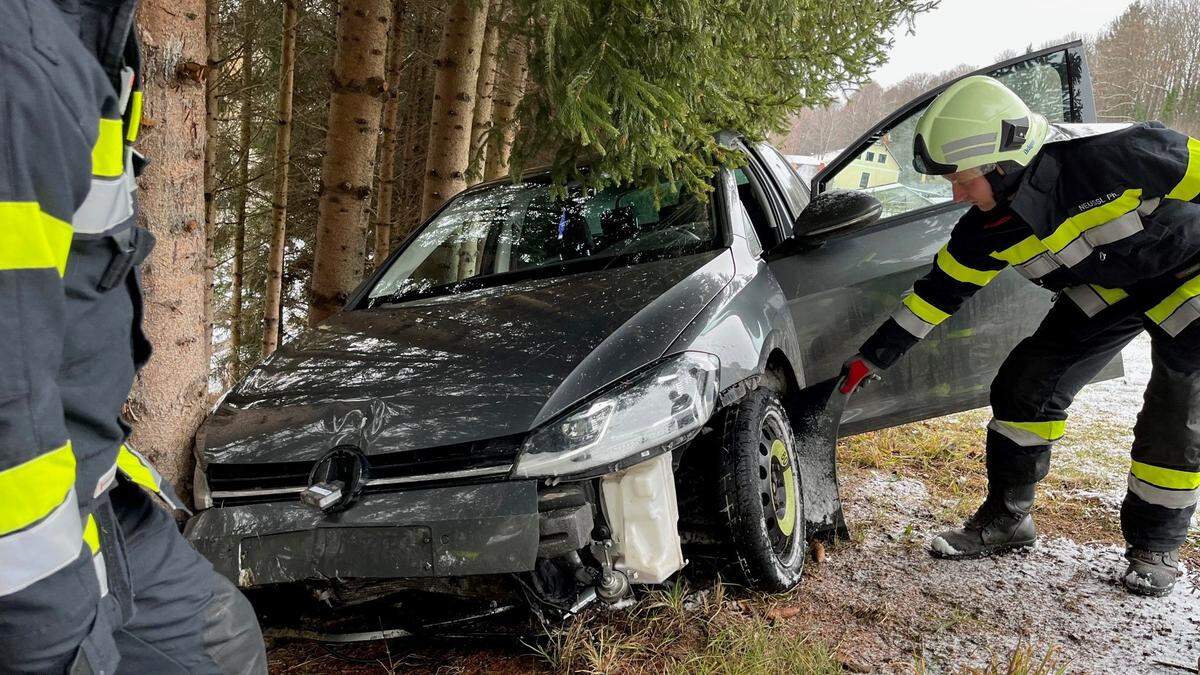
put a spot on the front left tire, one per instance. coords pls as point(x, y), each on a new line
point(760, 492)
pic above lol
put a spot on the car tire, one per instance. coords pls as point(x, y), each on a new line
point(761, 494)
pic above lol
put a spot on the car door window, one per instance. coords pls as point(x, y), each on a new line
point(758, 211)
point(884, 166)
point(794, 191)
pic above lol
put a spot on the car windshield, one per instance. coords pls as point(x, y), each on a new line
point(505, 233)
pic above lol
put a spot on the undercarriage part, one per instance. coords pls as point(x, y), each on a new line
point(612, 587)
point(643, 514)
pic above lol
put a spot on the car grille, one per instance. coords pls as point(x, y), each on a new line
point(232, 484)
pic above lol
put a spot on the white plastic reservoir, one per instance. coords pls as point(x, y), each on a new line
point(644, 516)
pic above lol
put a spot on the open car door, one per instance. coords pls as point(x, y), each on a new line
point(842, 289)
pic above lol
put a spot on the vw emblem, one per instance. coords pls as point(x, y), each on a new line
point(336, 480)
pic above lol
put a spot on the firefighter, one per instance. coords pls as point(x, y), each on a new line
point(1106, 216)
point(92, 573)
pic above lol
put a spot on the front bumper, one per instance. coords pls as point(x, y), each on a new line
point(451, 531)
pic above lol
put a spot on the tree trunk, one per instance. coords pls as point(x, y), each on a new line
point(212, 17)
point(283, 143)
point(351, 138)
point(169, 398)
point(239, 237)
point(457, 70)
point(387, 150)
point(418, 87)
point(481, 121)
point(508, 95)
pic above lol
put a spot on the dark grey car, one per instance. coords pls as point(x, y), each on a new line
point(557, 394)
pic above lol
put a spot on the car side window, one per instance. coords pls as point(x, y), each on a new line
point(884, 168)
point(795, 192)
point(757, 210)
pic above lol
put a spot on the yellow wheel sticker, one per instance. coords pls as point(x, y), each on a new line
point(780, 454)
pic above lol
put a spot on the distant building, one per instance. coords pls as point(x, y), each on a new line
point(875, 167)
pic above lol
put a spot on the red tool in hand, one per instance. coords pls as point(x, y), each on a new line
point(857, 371)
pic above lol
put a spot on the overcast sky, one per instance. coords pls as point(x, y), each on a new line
point(974, 32)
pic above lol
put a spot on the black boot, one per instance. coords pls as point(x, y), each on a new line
point(1151, 573)
point(1002, 524)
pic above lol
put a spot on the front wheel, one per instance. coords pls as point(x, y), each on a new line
point(760, 492)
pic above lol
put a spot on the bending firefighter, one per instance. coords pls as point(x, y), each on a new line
point(93, 574)
point(1107, 217)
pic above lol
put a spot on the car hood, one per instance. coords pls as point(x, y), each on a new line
point(457, 369)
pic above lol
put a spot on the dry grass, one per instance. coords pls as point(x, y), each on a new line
point(1022, 660)
point(947, 454)
point(668, 633)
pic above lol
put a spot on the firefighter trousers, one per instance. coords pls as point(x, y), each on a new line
point(1039, 379)
point(160, 607)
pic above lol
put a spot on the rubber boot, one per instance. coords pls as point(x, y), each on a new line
point(1151, 573)
point(1002, 524)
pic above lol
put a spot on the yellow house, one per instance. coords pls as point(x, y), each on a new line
point(874, 167)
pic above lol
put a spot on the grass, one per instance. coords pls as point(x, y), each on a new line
point(947, 454)
point(665, 633)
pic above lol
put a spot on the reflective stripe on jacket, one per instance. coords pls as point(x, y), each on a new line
point(1094, 216)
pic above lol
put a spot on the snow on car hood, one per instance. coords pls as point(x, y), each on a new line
point(455, 369)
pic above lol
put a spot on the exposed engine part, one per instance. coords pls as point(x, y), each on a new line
point(612, 587)
point(612, 584)
point(587, 597)
point(641, 508)
point(564, 531)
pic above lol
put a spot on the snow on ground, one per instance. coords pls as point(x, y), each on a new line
point(1062, 593)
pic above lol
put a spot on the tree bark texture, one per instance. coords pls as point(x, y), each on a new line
point(485, 87)
point(283, 143)
point(456, 70)
point(239, 237)
point(510, 88)
point(352, 136)
point(414, 125)
point(387, 148)
point(212, 19)
point(169, 398)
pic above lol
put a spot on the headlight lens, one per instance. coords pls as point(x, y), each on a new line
point(656, 411)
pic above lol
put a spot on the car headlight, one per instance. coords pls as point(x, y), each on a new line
point(656, 411)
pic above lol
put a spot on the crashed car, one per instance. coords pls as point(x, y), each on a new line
point(557, 395)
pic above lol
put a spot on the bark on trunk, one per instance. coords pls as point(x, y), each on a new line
point(418, 87)
point(169, 399)
point(352, 136)
point(211, 105)
point(509, 91)
point(481, 121)
point(387, 150)
point(283, 143)
point(456, 73)
point(243, 194)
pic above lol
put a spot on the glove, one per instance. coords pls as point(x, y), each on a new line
point(856, 372)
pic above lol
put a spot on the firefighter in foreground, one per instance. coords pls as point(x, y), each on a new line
point(92, 573)
point(1107, 217)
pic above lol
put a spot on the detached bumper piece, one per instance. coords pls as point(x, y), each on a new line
point(440, 532)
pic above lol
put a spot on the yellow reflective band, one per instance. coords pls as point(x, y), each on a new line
point(1028, 249)
point(1051, 431)
point(135, 117)
point(961, 272)
point(30, 238)
point(1110, 295)
point(1189, 188)
point(927, 312)
point(1166, 478)
point(1164, 309)
point(91, 534)
point(1074, 226)
point(108, 156)
point(131, 465)
point(31, 491)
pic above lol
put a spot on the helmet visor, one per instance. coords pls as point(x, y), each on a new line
point(967, 175)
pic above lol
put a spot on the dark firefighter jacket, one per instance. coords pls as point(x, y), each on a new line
point(1097, 217)
point(70, 307)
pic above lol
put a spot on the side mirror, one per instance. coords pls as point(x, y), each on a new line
point(826, 215)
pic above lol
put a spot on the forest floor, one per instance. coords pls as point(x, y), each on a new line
point(879, 602)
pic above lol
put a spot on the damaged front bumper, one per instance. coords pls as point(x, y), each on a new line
point(449, 531)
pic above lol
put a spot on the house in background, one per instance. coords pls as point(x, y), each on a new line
point(875, 167)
